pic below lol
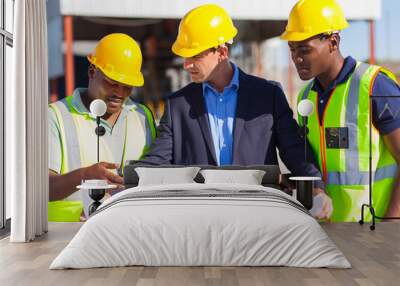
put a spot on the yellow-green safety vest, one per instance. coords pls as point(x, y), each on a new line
point(346, 171)
point(78, 149)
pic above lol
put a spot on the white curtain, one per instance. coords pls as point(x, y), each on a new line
point(26, 123)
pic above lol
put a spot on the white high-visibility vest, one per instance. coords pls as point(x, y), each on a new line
point(129, 138)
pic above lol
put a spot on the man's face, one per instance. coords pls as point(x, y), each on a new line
point(113, 93)
point(202, 65)
point(312, 56)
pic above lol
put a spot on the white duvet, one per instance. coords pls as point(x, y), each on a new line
point(201, 224)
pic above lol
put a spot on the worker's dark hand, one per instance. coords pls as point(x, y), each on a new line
point(102, 171)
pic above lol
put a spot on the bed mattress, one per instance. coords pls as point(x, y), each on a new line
point(201, 225)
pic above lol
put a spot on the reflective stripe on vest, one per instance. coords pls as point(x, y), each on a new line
point(150, 119)
point(346, 171)
point(71, 157)
point(150, 125)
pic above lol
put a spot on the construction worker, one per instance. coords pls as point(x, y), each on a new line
point(340, 89)
point(226, 116)
point(129, 127)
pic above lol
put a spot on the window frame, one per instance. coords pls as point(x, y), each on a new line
point(6, 39)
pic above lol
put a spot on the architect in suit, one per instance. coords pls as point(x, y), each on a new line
point(225, 116)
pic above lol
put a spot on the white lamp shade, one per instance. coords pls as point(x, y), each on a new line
point(305, 107)
point(98, 107)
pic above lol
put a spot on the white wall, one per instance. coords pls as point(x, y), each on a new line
point(239, 10)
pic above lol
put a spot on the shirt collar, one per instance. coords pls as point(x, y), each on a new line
point(347, 69)
point(234, 84)
point(78, 105)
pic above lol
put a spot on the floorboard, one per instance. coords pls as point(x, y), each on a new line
point(374, 255)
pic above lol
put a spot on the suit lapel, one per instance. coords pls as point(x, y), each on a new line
point(241, 112)
point(200, 109)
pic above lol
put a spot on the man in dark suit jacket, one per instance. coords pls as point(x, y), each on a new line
point(263, 121)
point(226, 116)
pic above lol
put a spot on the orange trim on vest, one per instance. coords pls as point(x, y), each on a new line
point(322, 136)
point(373, 81)
point(371, 87)
point(323, 155)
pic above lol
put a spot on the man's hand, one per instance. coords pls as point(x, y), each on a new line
point(62, 186)
point(102, 171)
point(322, 205)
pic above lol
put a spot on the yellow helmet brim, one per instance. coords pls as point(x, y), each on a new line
point(131, 80)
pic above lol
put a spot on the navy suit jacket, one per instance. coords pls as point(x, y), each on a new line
point(263, 122)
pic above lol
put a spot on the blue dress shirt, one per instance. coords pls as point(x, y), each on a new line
point(221, 108)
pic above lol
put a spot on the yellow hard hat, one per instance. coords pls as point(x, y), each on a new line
point(309, 18)
point(204, 27)
point(119, 57)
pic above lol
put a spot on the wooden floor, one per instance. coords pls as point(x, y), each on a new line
point(374, 255)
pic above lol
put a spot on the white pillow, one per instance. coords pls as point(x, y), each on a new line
point(163, 176)
point(248, 177)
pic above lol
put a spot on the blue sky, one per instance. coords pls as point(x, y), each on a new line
point(355, 39)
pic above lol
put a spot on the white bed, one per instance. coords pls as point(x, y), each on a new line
point(201, 224)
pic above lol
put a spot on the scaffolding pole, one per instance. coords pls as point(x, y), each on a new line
point(69, 55)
